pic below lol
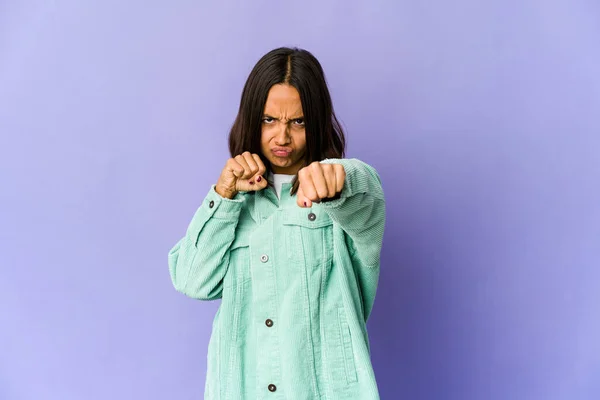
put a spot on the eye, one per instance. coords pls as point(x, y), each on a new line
point(299, 121)
point(268, 120)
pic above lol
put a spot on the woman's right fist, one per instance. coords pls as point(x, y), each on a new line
point(242, 173)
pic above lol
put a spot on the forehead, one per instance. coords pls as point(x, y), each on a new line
point(283, 99)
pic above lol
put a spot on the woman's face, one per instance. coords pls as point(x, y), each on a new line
point(283, 138)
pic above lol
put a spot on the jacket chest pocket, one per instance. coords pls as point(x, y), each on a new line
point(308, 237)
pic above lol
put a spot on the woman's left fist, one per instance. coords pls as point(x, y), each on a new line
point(319, 181)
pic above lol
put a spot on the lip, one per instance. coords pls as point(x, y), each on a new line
point(281, 152)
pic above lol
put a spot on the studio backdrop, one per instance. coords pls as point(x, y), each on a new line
point(482, 118)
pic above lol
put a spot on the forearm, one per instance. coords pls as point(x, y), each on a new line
point(360, 208)
point(199, 261)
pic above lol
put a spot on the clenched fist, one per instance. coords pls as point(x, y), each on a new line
point(319, 181)
point(242, 173)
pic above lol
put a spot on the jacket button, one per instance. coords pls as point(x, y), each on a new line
point(211, 204)
point(264, 258)
point(269, 323)
point(312, 216)
point(272, 388)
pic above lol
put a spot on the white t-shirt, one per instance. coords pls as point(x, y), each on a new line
point(278, 180)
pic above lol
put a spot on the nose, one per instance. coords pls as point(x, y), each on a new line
point(283, 135)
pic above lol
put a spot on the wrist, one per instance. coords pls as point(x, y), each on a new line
point(225, 192)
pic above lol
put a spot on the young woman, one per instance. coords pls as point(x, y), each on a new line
point(290, 239)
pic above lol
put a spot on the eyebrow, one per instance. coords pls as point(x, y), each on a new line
point(277, 119)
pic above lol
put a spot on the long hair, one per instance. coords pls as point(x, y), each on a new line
point(300, 69)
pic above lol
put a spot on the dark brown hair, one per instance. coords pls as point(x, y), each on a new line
point(300, 69)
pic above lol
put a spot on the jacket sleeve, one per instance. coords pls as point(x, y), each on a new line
point(359, 210)
point(198, 262)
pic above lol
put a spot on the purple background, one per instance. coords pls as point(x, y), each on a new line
point(481, 117)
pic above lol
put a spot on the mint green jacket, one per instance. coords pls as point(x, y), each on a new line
point(297, 286)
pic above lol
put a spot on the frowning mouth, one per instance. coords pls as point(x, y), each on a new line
point(281, 152)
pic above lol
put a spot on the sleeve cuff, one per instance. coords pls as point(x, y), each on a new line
point(215, 206)
point(360, 178)
point(221, 207)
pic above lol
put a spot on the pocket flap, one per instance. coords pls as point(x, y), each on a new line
point(308, 218)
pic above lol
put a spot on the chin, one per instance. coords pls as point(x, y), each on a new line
point(281, 163)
